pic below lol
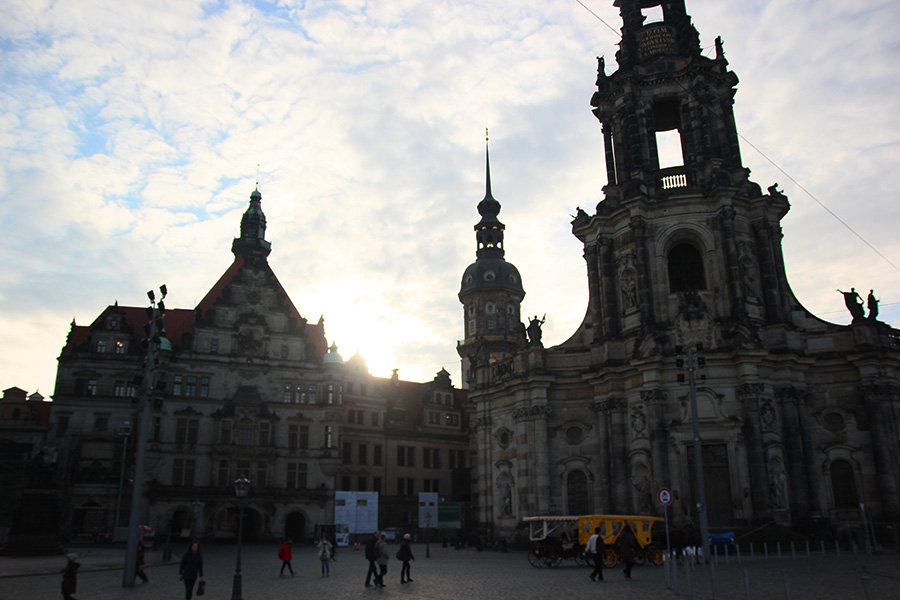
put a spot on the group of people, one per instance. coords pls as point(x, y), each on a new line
point(376, 552)
point(628, 549)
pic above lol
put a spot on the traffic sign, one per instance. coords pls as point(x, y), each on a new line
point(664, 496)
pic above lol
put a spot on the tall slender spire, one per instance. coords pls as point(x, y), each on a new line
point(253, 230)
point(489, 231)
point(487, 156)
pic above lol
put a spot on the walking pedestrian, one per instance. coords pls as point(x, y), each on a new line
point(325, 552)
point(140, 563)
point(628, 548)
point(70, 576)
point(381, 557)
point(404, 555)
point(370, 556)
point(285, 554)
point(595, 550)
point(191, 569)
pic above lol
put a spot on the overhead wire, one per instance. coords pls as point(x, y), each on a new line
point(780, 169)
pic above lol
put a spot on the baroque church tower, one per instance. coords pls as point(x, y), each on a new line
point(684, 253)
point(491, 292)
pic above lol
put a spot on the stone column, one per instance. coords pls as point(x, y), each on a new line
point(768, 272)
point(608, 286)
point(534, 420)
point(796, 463)
point(595, 311)
point(749, 394)
point(732, 264)
point(877, 398)
point(813, 466)
point(482, 428)
point(619, 451)
point(604, 480)
point(659, 437)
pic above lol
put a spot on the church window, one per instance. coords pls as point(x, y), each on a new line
point(843, 485)
point(685, 269)
point(834, 422)
point(574, 435)
point(652, 14)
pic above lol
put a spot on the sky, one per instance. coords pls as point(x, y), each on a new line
point(131, 134)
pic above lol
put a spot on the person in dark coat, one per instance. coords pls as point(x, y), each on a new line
point(191, 568)
point(404, 555)
point(381, 557)
point(371, 556)
point(628, 549)
point(70, 577)
point(140, 562)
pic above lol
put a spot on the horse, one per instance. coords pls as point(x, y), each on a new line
point(685, 536)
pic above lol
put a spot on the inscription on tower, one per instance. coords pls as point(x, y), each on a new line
point(657, 39)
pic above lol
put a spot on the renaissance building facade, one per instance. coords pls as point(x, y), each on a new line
point(244, 386)
point(798, 418)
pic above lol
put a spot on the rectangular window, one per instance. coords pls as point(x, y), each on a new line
point(431, 485)
point(284, 351)
point(263, 433)
point(120, 347)
point(361, 484)
point(225, 432)
point(376, 484)
point(243, 468)
point(490, 324)
point(131, 389)
point(296, 476)
point(406, 486)
point(452, 420)
point(329, 434)
point(299, 394)
point(406, 456)
point(101, 346)
point(375, 419)
point(434, 418)
point(457, 459)
point(329, 397)
point(62, 424)
point(286, 393)
point(193, 431)
point(431, 458)
point(180, 431)
point(349, 387)
point(176, 385)
point(262, 472)
point(191, 388)
point(155, 429)
point(345, 483)
point(363, 454)
point(91, 387)
point(204, 387)
point(471, 326)
point(348, 451)
point(244, 436)
point(293, 437)
point(304, 437)
point(183, 471)
point(119, 389)
point(311, 394)
point(213, 345)
point(223, 477)
point(101, 424)
point(376, 455)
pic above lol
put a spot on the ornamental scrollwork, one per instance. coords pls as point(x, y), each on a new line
point(527, 413)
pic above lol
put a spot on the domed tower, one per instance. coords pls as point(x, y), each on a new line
point(491, 293)
point(252, 243)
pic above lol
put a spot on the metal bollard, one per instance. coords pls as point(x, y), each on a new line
point(738, 548)
point(747, 582)
point(766, 549)
point(690, 590)
point(778, 547)
point(867, 586)
point(715, 589)
point(822, 543)
point(793, 552)
point(752, 551)
point(787, 585)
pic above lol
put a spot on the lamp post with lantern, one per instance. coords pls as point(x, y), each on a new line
point(241, 488)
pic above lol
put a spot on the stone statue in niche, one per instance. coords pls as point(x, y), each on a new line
point(776, 488)
point(629, 291)
point(507, 501)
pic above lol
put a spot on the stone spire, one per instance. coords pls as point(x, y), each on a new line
point(252, 242)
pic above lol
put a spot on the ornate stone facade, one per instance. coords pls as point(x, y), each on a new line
point(799, 418)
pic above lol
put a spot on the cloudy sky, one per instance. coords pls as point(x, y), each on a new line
point(130, 134)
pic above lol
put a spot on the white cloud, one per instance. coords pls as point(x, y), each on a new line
point(130, 136)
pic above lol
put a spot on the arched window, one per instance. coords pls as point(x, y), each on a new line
point(843, 485)
point(685, 269)
point(577, 493)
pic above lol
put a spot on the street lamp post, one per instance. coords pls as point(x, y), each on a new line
point(693, 363)
point(427, 534)
point(241, 488)
point(124, 432)
point(155, 333)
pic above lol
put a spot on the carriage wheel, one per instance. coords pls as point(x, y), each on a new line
point(640, 558)
point(610, 558)
point(553, 560)
point(656, 557)
point(535, 558)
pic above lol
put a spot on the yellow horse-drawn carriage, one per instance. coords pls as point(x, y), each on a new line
point(554, 538)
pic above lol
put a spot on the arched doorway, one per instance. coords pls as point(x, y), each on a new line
point(181, 524)
point(295, 527)
point(577, 494)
